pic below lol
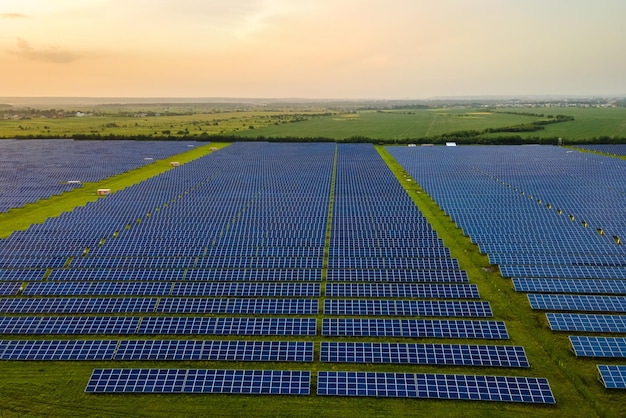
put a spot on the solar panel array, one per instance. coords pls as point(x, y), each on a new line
point(392, 307)
point(249, 382)
point(393, 290)
point(435, 386)
point(585, 346)
point(414, 328)
point(615, 149)
point(586, 322)
point(405, 353)
point(57, 349)
point(37, 169)
point(550, 217)
point(613, 376)
point(209, 350)
point(594, 303)
point(245, 242)
point(215, 350)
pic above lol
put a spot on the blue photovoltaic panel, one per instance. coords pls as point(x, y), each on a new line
point(401, 290)
point(77, 305)
point(564, 272)
point(58, 350)
point(32, 262)
point(256, 275)
point(214, 350)
point(577, 302)
point(270, 382)
point(585, 346)
point(390, 307)
point(442, 354)
point(238, 306)
point(570, 286)
point(392, 263)
point(349, 327)
point(397, 276)
point(116, 274)
point(435, 386)
point(586, 322)
point(68, 324)
point(22, 275)
point(227, 326)
point(246, 289)
point(613, 377)
point(98, 289)
point(9, 288)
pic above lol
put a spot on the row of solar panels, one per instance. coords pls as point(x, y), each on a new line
point(289, 351)
point(395, 290)
point(505, 173)
point(274, 306)
point(167, 325)
point(615, 149)
point(333, 275)
point(329, 383)
point(39, 169)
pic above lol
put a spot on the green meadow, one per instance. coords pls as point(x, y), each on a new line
point(392, 124)
point(588, 123)
point(328, 121)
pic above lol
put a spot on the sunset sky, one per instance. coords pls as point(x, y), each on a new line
point(360, 49)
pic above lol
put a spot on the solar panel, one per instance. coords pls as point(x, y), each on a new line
point(58, 350)
point(77, 305)
point(214, 350)
point(435, 386)
point(227, 326)
point(414, 328)
point(249, 382)
point(613, 377)
point(98, 288)
point(22, 275)
point(254, 275)
point(10, 288)
point(238, 306)
point(592, 303)
point(397, 276)
point(390, 307)
point(586, 322)
point(585, 346)
point(401, 290)
point(442, 354)
point(246, 289)
point(570, 285)
point(68, 324)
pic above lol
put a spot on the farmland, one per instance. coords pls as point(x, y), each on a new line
point(367, 122)
point(282, 181)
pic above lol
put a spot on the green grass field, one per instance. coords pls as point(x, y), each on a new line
point(315, 121)
point(589, 123)
point(56, 388)
point(389, 125)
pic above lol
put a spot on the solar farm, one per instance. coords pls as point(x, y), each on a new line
point(310, 273)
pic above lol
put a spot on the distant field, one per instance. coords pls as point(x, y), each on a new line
point(197, 124)
point(589, 123)
point(397, 124)
point(314, 121)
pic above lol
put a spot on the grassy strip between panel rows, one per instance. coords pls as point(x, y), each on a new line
point(573, 381)
point(37, 212)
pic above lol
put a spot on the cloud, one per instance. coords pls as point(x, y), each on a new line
point(12, 16)
point(52, 54)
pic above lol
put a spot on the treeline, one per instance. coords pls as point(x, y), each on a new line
point(462, 137)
